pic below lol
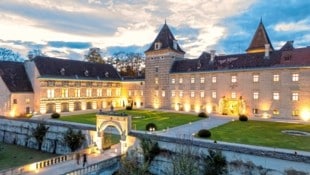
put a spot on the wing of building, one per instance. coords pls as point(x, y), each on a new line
point(261, 82)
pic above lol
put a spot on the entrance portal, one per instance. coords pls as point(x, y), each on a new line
point(233, 107)
point(122, 123)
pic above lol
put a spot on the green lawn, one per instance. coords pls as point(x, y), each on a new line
point(140, 118)
point(263, 133)
point(14, 156)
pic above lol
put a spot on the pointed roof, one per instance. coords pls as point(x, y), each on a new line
point(287, 46)
point(166, 39)
point(259, 40)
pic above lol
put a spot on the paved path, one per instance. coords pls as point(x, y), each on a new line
point(72, 164)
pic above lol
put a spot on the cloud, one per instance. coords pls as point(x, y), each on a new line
point(298, 26)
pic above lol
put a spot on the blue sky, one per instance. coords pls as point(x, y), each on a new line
point(68, 28)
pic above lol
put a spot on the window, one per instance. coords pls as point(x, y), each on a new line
point(276, 112)
point(156, 80)
point(50, 83)
point(202, 94)
point(276, 77)
point(109, 92)
point(181, 93)
point(181, 80)
point(50, 93)
point(175, 44)
point(88, 93)
point(27, 100)
point(141, 92)
point(192, 79)
point(295, 113)
point(233, 78)
point(64, 93)
point(233, 95)
point(255, 95)
point(129, 93)
point(156, 69)
point(99, 92)
point(156, 93)
point(78, 84)
point(192, 94)
point(213, 79)
point(14, 101)
point(172, 93)
point(202, 79)
point(276, 96)
point(134, 93)
point(65, 83)
point(295, 96)
point(255, 78)
point(163, 93)
point(213, 94)
point(295, 77)
point(157, 46)
point(173, 81)
point(118, 92)
point(77, 92)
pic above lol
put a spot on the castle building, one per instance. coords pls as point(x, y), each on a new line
point(261, 82)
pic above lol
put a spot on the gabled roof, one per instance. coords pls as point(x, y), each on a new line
point(259, 40)
point(287, 46)
point(15, 77)
point(50, 67)
point(166, 38)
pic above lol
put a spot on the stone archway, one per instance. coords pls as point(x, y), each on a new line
point(121, 122)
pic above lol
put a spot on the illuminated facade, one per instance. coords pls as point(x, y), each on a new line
point(262, 82)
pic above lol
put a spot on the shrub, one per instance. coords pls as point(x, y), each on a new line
point(55, 115)
point(128, 107)
point(74, 139)
point(150, 125)
point(243, 117)
point(203, 115)
point(204, 133)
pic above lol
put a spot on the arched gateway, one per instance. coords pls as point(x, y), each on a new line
point(121, 122)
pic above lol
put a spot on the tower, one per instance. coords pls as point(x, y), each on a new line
point(159, 58)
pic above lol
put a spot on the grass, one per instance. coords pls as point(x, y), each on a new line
point(14, 156)
point(140, 118)
point(263, 133)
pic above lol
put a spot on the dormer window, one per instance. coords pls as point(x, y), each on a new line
point(86, 73)
point(175, 44)
point(157, 45)
point(62, 71)
point(106, 74)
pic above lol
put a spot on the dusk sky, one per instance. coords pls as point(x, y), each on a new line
point(68, 28)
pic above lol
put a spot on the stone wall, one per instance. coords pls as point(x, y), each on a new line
point(241, 159)
point(19, 132)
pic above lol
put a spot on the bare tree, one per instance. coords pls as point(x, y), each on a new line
point(94, 55)
point(10, 55)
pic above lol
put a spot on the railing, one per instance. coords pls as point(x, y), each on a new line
point(95, 167)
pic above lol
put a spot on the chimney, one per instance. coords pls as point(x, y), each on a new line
point(267, 49)
point(212, 53)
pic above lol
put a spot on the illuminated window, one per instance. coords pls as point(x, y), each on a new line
point(233, 78)
point(213, 94)
point(172, 93)
point(156, 80)
point(77, 92)
point(64, 93)
point(192, 94)
point(295, 113)
point(50, 93)
point(295, 96)
point(135, 93)
point(214, 79)
point(163, 93)
point(99, 92)
point(88, 92)
point(295, 77)
point(129, 93)
point(276, 77)
point(141, 92)
point(192, 79)
point(181, 80)
point(118, 92)
point(181, 93)
point(173, 80)
point(233, 95)
point(109, 92)
point(255, 78)
point(202, 94)
point(275, 112)
point(27, 100)
point(276, 96)
point(156, 93)
point(202, 79)
point(255, 95)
